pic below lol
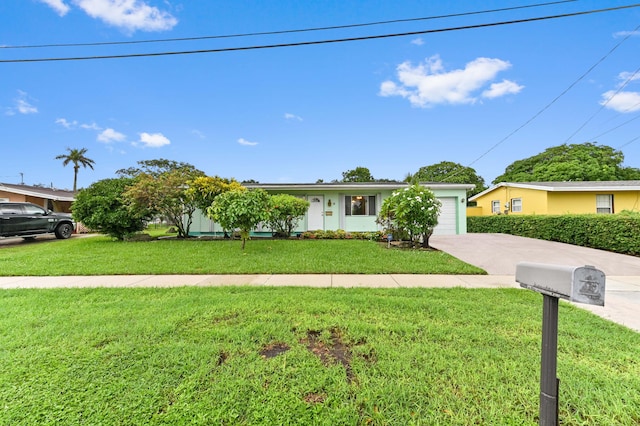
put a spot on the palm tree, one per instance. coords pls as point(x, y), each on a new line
point(76, 156)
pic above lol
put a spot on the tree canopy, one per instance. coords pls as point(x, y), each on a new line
point(359, 174)
point(161, 186)
point(240, 209)
point(448, 171)
point(78, 158)
point(101, 208)
point(575, 162)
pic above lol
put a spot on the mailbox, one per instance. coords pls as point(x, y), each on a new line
point(582, 284)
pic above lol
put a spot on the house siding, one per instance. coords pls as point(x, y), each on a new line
point(555, 200)
point(334, 217)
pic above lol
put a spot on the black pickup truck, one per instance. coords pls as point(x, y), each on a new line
point(28, 220)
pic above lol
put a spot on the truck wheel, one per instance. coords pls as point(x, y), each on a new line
point(64, 231)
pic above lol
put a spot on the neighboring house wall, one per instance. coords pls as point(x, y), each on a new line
point(354, 209)
point(559, 198)
point(530, 201)
point(586, 202)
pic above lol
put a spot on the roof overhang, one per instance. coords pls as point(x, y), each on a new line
point(584, 186)
point(350, 186)
point(33, 192)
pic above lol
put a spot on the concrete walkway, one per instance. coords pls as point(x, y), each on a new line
point(498, 254)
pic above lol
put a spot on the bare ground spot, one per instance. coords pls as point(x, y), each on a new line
point(274, 349)
point(314, 398)
point(335, 351)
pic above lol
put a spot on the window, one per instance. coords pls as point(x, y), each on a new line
point(516, 205)
point(604, 203)
point(33, 210)
point(495, 206)
point(360, 205)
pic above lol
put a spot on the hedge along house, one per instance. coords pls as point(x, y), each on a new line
point(352, 207)
point(557, 198)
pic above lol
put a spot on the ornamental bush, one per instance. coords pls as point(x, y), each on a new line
point(413, 210)
point(284, 214)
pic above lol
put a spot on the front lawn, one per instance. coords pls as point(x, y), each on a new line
point(102, 256)
point(265, 356)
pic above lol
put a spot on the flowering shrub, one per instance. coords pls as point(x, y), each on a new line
point(413, 210)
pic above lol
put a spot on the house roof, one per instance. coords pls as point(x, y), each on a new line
point(40, 192)
point(581, 186)
point(354, 186)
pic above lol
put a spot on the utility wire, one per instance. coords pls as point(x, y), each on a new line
point(605, 103)
point(617, 127)
point(564, 92)
point(302, 30)
point(310, 43)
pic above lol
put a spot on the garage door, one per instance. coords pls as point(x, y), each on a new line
point(447, 222)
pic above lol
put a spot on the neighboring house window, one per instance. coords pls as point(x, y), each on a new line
point(495, 206)
point(516, 205)
point(604, 203)
point(360, 205)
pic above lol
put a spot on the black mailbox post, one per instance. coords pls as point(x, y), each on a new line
point(584, 284)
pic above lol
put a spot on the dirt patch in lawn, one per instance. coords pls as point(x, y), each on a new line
point(272, 350)
point(332, 352)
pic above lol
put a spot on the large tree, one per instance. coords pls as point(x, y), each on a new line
point(359, 174)
point(78, 158)
point(448, 171)
point(162, 186)
point(100, 207)
point(575, 162)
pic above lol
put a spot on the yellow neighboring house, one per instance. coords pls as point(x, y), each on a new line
point(557, 198)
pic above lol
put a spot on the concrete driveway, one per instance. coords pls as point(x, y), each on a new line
point(498, 254)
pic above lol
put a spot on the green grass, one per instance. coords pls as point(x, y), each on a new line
point(102, 256)
point(409, 357)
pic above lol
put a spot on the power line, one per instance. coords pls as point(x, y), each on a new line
point(318, 42)
point(605, 103)
point(302, 30)
point(564, 92)
point(615, 128)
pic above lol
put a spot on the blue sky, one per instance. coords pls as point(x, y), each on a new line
point(299, 114)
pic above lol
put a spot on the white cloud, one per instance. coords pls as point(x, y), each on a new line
point(92, 126)
point(153, 140)
point(58, 5)
point(245, 142)
point(626, 33)
point(66, 124)
point(22, 105)
point(627, 77)
point(290, 116)
point(110, 135)
point(506, 87)
point(428, 84)
point(131, 15)
point(417, 41)
point(198, 133)
point(621, 101)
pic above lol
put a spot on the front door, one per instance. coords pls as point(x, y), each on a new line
point(315, 215)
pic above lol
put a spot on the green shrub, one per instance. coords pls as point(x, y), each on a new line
point(618, 233)
point(341, 234)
